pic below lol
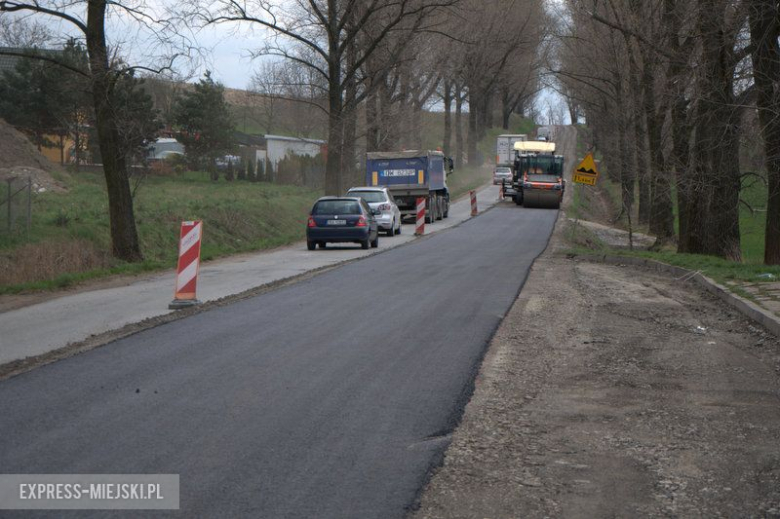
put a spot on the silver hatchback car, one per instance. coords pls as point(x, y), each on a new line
point(502, 173)
point(380, 198)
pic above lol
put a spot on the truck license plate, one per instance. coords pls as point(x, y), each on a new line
point(337, 222)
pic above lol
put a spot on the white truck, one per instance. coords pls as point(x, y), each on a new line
point(505, 148)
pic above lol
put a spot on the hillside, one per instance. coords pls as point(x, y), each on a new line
point(20, 159)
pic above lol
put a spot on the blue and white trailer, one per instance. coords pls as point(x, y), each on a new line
point(409, 175)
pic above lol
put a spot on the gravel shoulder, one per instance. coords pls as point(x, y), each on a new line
point(616, 392)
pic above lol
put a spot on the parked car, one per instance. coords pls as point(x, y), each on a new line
point(389, 219)
point(502, 173)
point(339, 220)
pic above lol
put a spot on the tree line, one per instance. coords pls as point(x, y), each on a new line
point(671, 90)
point(371, 67)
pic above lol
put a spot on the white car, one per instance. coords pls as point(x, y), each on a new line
point(380, 198)
point(502, 173)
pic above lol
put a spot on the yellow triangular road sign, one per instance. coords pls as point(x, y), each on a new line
point(588, 165)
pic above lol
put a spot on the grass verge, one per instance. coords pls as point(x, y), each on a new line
point(752, 224)
point(69, 239)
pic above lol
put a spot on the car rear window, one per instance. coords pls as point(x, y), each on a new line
point(370, 196)
point(336, 207)
point(503, 170)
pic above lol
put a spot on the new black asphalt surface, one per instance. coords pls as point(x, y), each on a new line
point(331, 398)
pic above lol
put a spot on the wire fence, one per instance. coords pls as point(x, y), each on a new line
point(16, 205)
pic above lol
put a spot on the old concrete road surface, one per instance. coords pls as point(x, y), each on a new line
point(328, 398)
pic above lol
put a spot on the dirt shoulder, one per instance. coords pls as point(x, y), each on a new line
point(616, 392)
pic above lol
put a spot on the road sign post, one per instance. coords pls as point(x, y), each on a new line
point(189, 265)
point(420, 227)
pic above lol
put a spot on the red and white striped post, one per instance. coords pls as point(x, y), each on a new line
point(420, 227)
point(473, 203)
point(501, 191)
point(189, 265)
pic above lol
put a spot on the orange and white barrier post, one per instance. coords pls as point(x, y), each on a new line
point(189, 265)
point(420, 227)
point(473, 203)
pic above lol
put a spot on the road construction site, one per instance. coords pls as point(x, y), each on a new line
point(477, 372)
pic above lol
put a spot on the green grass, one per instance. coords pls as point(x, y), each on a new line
point(752, 224)
point(752, 227)
point(237, 216)
point(720, 270)
point(466, 179)
point(69, 241)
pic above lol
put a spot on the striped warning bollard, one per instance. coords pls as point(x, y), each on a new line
point(189, 265)
point(473, 203)
point(420, 227)
point(501, 191)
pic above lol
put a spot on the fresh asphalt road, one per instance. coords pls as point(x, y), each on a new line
point(328, 398)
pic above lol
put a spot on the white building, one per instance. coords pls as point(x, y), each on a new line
point(279, 146)
point(164, 147)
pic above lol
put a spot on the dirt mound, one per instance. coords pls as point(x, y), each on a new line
point(20, 159)
point(42, 181)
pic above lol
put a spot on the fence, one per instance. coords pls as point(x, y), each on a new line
point(15, 204)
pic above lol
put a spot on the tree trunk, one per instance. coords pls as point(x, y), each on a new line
point(642, 171)
point(506, 108)
point(675, 87)
point(124, 236)
point(372, 122)
point(458, 126)
point(472, 136)
point(416, 132)
point(447, 98)
point(476, 102)
point(764, 32)
point(661, 214)
point(388, 132)
point(713, 197)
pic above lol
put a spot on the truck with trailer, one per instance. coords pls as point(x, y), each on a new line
point(537, 176)
point(505, 145)
point(412, 174)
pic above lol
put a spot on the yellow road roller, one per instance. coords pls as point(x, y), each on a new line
point(537, 176)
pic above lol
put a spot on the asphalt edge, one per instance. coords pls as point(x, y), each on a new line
point(742, 305)
point(455, 417)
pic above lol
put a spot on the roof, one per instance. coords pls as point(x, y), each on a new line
point(535, 147)
point(407, 154)
point(367, 188)
point(292, 139)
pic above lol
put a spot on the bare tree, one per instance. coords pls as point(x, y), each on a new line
point(764, 33)
point(23, 34)
point(90, 23)
point(334, 39)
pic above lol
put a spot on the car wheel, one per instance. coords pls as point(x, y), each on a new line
point(391, 230)
point(375, 241)
point(310, 245)
point(364, 244)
